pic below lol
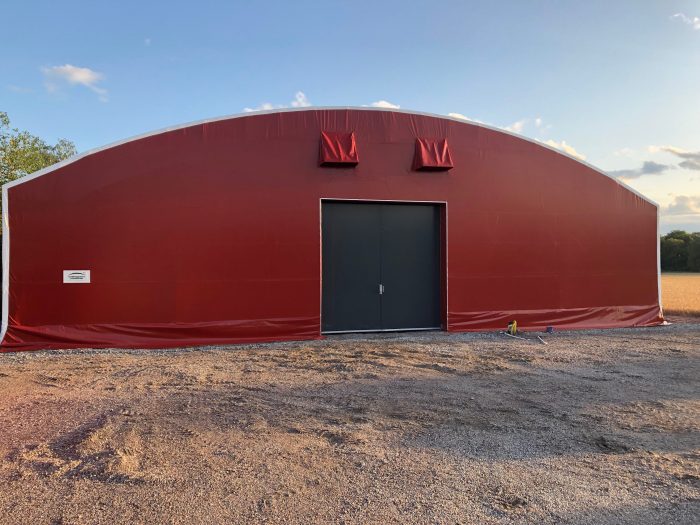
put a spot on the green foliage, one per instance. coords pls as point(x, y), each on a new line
point(694, 253)
point(22, 153)
point(680, 252)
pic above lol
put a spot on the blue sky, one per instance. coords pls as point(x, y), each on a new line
point(617, 82)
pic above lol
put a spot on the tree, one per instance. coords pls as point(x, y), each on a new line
point(694, 252)
point(680, 251)
point(674, 254)
point(22, 153)
point(680, 235)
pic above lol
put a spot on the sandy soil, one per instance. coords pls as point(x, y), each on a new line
point(595, 427)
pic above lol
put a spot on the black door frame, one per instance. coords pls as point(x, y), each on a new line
point(444, 288)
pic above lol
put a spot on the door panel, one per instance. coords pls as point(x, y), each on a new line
point(410, 266)
point(368, 244)
point(351, 266)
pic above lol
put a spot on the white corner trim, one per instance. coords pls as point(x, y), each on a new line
point(5, 264)
point(658, 261)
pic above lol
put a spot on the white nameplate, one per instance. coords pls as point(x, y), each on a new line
point(76, 276)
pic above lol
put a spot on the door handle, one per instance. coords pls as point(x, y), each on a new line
point(381, 289)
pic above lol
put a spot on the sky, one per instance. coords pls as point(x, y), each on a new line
point(616, 83)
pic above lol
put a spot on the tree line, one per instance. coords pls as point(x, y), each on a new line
point(680, 251)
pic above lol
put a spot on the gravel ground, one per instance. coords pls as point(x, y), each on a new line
point(594, 427)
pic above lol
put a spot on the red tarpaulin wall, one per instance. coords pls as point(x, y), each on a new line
point(210, 233)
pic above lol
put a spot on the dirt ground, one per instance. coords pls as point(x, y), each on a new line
point(595, 427)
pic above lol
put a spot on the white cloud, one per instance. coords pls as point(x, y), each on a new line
point(459, 115)
point(300, 101)
point(73, 75)
point(682, 213)
point(624, 152)
point(384, 104)
point(463, 117)
point(566, 148)
point(649, 167)
point(263, 107)
point(670, 149)
point(690, 160)
point(517, 127)
point(692, 21)
point(683, 205)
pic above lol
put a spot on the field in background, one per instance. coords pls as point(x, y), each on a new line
point(681, 293)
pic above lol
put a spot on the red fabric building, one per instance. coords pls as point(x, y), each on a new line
point(212, 233)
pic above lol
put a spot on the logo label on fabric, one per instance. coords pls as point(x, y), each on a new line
point(76, 276)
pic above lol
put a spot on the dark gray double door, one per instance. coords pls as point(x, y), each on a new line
point(381, 266)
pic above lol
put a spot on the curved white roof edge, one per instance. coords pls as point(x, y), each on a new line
point(79, 156)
